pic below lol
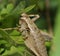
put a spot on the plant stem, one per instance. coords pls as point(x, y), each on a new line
point(48, 17)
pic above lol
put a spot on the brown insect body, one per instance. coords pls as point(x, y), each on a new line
point(33, 37)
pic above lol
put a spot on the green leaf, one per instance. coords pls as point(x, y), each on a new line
point(6, 37)
point(4, 11)
point(18, 39)
point(55, 51)
point(1, 50)
point(28, 8)
point(7, 10)
point(10, 7)
point(19, 7)
point(15, 33)
point(2, 42)
point(16, 11)
point(13, 50)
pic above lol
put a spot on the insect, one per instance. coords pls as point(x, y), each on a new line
point(34, 37)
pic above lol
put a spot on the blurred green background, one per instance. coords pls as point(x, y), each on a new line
point(11, 41)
